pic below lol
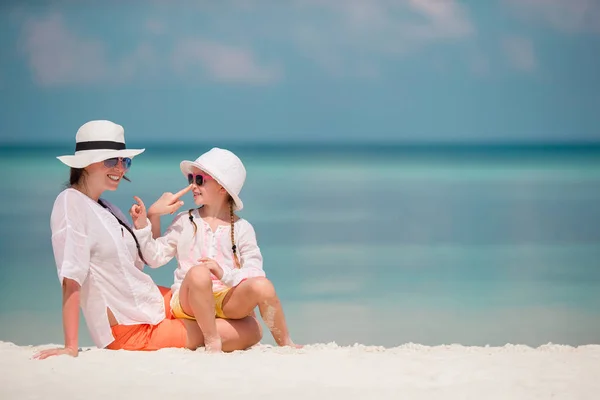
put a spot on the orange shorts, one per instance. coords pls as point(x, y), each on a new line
point(170, 332)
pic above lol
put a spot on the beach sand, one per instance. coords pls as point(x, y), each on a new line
point(321, 371)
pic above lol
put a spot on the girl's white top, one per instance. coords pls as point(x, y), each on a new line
point(91, 248)
point(179, 241)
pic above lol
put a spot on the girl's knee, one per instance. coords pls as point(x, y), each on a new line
point(199, 277)
point(262, 287)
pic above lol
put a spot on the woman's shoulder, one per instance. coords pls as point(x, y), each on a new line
point(69, 197)
point(69, 205)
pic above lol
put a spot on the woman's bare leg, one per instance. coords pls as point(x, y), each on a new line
point(241, 301)
point(236, 334)
point(197, 300)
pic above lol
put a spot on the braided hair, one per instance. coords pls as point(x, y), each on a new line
point(232, 215)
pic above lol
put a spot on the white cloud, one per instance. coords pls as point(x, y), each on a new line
point(344, 38)
point(520, 53)
point(143, 62)
point(574, 16)
point(222, 63)
point(355, 34)
point(58, 57)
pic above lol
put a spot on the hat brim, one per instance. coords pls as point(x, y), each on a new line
point(85, 158)
point(186, 168)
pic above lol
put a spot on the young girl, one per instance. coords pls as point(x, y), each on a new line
point(220, 266)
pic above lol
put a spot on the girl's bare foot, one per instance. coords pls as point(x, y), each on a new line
point(213, 345)
point(289, 343)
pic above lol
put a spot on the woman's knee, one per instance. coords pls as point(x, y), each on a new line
point(199, 277)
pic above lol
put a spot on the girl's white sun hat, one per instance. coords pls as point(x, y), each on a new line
point(225, 167)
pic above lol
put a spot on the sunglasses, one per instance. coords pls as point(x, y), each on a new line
point(112, 162)
point(198, 179)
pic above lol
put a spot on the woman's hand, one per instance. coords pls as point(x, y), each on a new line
point(213, 266)
point(168, 203)
point(56, 352)
point(138, 214)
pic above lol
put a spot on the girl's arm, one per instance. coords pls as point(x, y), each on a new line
point(250, 258)
point(168, 203)
point(155, 222)
point(158, 252)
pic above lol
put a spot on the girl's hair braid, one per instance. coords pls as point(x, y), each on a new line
point(191, 217)
point(233, 246)
point(236, 260)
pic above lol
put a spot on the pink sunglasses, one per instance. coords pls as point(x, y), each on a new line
point(198, 179)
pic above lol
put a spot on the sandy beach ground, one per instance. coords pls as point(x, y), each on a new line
point(321, 371)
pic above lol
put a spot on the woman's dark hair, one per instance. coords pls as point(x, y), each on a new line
point(126, 226)
point(75, 176)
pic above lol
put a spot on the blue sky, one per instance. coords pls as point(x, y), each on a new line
point(332, 70)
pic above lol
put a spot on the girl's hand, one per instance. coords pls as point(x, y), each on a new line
point(56, 352)
point(138, 214)
point(168, 203)
point(213, 266)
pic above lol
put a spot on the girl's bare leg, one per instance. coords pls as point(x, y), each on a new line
point(196, 298)
point(241, 301)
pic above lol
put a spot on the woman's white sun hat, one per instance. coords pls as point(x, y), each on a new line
point(225, 167)
point(98, 141)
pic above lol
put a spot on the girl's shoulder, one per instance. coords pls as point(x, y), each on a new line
point(243, 224)
point(184, 215)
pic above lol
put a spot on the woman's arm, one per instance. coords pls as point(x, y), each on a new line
point(70, 311)
point(71, 247)
point(71, 301)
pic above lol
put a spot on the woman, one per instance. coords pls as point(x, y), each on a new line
point(100, 265)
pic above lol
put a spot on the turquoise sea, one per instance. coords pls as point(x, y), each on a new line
point(380, 245)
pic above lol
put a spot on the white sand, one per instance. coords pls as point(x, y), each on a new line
point(316, 372)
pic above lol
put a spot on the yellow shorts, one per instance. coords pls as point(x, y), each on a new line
point(219, 297)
